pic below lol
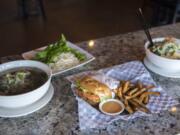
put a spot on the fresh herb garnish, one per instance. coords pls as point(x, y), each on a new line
point(51, 53)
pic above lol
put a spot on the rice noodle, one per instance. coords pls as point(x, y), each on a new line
point(64, 61)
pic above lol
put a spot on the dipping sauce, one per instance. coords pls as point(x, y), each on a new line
point(111, 107)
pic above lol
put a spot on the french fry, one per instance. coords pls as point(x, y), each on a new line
point(131, 85)
point(125, 87)
point(138, 101)
point(150, 87)
point(127, 107)
point(146, 100)
point(121, 83)
point(133, 91)
point(134, 104)
point(149, 93)
point(140, 105)
point(115, 91)
point(139, 85)
point(137, 106)
point(136, 94)
point(119, 93)
point(144, 109)
point(142, 97)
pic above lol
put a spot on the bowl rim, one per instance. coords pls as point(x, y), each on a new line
point(157, 56)
point(115, 100)
point(31, 91)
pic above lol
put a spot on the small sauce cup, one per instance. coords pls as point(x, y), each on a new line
point(111, 107)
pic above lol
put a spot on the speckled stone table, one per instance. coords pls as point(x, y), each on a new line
point(60, 116)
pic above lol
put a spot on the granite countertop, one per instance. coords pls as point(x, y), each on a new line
point(60, 116)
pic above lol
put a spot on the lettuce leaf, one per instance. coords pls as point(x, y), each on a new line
point(51, 53)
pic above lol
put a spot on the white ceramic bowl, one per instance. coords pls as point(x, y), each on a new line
point(170, 65)
point(20, 100)
point(109, 100)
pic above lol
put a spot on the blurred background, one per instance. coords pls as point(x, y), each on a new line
point(29, 24)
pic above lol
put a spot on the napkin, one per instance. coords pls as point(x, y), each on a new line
point(90, 117)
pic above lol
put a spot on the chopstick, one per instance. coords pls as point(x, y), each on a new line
point(145, 26)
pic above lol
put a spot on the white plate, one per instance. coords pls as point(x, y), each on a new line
point(21, 111)
point(30, 55)
point(160, 71)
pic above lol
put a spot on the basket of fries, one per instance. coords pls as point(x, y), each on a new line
point(135, 96)
point(129, 83)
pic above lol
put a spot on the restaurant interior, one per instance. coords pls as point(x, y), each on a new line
point(29, 24)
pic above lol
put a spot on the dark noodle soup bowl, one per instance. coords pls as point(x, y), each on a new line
point(39, 82)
